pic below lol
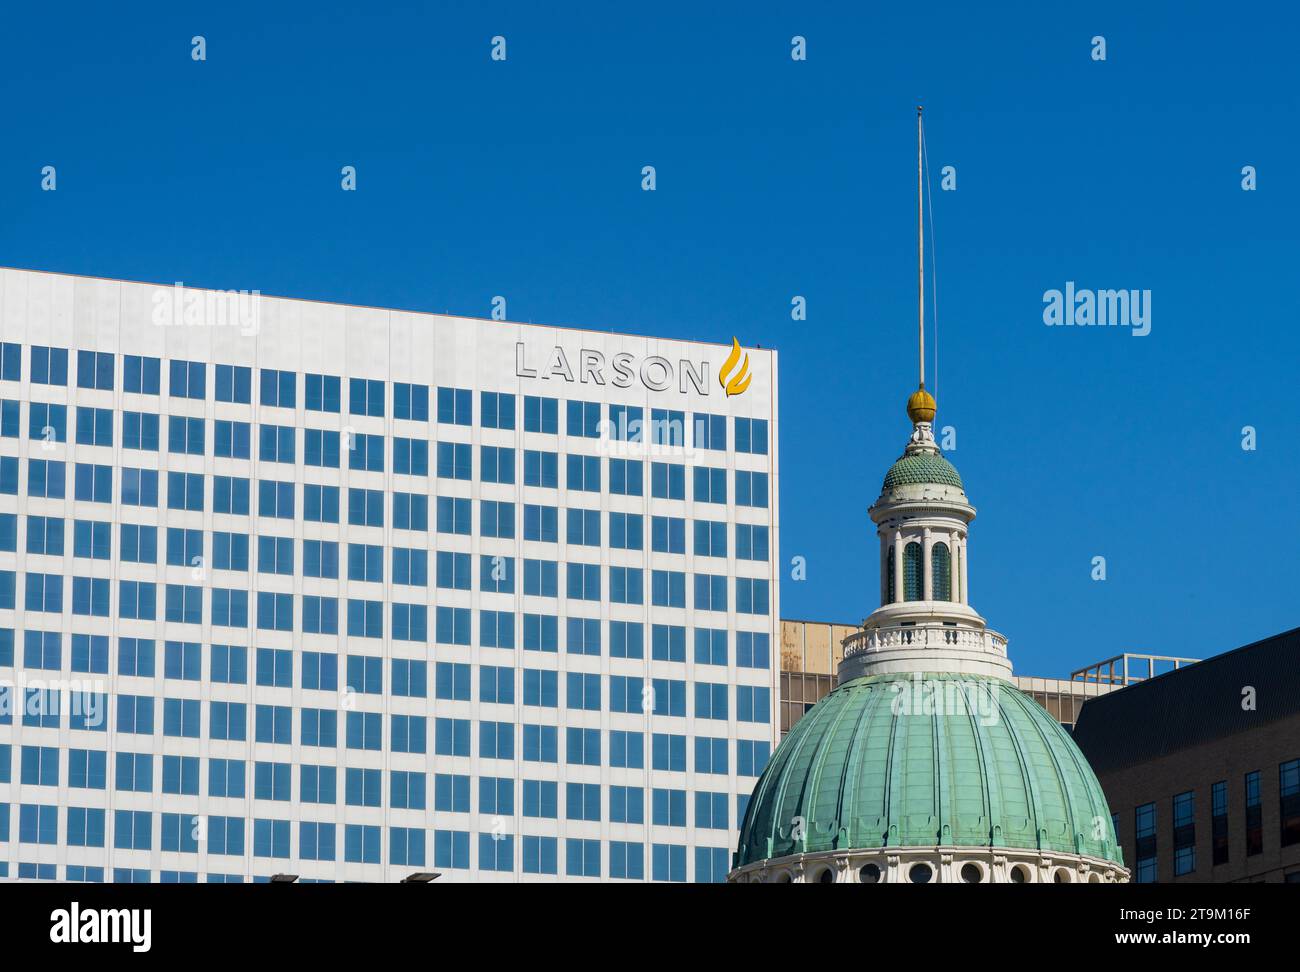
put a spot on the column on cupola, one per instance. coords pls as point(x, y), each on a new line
point(898, 566)
point(965, 592)
point(927, 574)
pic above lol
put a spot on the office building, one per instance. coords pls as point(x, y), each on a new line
point(289, 587)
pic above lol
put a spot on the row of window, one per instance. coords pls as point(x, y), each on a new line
point(184, 547)
point(183, 718)
point(407, 790)
point(914, 573)
point(1184, 823)
point(273, 667)
point(319, 728)
point(322, 448)
point(363, 618)
point(368, 397)
point(47, 478)
point(450, 850)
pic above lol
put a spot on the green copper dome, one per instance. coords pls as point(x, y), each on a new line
point(922, 467)
point(982, 765)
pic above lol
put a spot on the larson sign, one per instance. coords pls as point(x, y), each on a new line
point(654, 371)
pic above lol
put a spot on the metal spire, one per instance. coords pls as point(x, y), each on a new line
point(920, 250)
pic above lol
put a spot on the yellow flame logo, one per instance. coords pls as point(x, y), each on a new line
point(735, 383)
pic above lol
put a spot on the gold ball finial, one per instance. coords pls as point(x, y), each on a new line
point(920, 406)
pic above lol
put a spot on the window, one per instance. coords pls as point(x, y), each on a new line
point(751, 595)
point(583, 527)
point(583, 420)
point(1219, 821)
point(320, 504)
point(751, 542)
point(274, 499)
point(626, 639)
point(11, 361)
point(582, 857)
point(753, 703)
point(497, 410)
point(668, 642)
point(47, 423)
point(497, 574)
point(541, 523)
point(626, 804)
point(669, 699)
point(751, 436)
point(1184, 833)
point(323, 393)
point(751, 489)
point(668, 588)
point(541, 469)
point(366, 452)
point(941, 572)
point(626, 531)
point(230, 495)
point(710, 538)
point(187, 379)
point(139, 544)
point(456, 406)
point(1254, 816)
point(45, 535)
point(453, 515)
point(1289, 795)
point(710, 431)
point(583, 636)
point(366, 397)
point(321, 448)
point(140, 431)
point(141, 375)
point(92, 484)
point(753, 649)
point(411, 512)
point(184, 547)
point(626, 477)
point(626, 423)
point(668, 535)
point(669, 862)
point(95, 426)
point(668, 481)
point(913, 583)
point(541, 415)
point(47, 478)
point(627, 860)
point(49, 366)
point(497, 465)
point(185, 491)
point(276, 443)
point(455, 460)
point(710, 592)
point(411, 402)
point(1144, 831)
point(279, 388)
point(234, 384)
point(667, 427)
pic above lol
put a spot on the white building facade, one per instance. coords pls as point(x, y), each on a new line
point(348, 593)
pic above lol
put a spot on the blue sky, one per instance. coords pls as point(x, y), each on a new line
point(775, 179)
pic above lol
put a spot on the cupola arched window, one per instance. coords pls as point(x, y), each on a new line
point(891, 594)
point(941, 572)
point(913, 573)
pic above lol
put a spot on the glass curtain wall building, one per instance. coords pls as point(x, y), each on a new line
point(350, 593)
